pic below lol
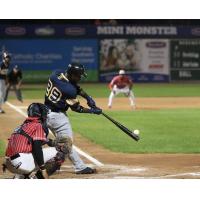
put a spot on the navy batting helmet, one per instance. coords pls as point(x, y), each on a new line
point(38, 110)
point(76, 69)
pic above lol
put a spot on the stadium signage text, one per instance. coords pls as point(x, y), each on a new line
point(136, 30)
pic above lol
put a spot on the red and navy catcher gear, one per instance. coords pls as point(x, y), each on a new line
point(38, 110)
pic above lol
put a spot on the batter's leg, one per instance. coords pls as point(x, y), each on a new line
point(60, 125)
point(76, 160)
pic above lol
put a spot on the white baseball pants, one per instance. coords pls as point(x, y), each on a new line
point(125, 91)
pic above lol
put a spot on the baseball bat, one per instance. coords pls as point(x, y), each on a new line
point(122, 127)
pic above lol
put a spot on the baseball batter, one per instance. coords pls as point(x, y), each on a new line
point(24, 153)
point(121, 84)
point(4, 67)
point(61, 94)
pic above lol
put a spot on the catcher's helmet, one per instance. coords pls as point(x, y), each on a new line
point(38, 110)
point(76, 69)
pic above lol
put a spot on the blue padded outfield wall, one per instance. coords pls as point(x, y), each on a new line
point(38, 57)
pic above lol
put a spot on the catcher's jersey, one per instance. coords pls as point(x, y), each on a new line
point(19, 143)
point(59, 91)
point(120, 82)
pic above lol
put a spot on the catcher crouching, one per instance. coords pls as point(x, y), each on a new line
point(25, 156)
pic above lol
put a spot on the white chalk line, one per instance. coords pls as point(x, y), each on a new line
point(90, 158)
point(22, 107)
point(195, 174)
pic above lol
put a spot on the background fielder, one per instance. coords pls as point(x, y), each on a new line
point(3, 78)
point(14, 79)
point(121, 84)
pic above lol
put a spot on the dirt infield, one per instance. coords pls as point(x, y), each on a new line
point(121, 165)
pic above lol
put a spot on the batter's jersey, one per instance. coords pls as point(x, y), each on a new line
point(120, 82)
point(59, 90)
point(19, 143)
point(3, 71)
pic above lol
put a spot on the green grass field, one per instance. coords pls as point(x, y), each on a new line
point(140, 90)
point(2, 148)
point(162, 131)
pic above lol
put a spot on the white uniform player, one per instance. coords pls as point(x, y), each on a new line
point(121, 84)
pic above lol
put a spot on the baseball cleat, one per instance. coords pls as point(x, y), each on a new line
point(87, 170)
point(2, 111)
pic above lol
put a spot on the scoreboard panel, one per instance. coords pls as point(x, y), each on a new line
point(185, 59)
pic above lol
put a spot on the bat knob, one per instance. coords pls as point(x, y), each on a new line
point(137, 137)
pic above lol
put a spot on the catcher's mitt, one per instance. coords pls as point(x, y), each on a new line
point(55, 163)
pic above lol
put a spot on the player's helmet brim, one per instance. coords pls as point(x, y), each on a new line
point(76, 69)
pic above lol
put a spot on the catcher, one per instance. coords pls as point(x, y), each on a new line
point(25, 156)
point(121, 84)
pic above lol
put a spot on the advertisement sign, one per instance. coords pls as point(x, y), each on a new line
point(50, 54)
point(145, 60)
point(92, 31)
point(137, 30)
point(185, 59)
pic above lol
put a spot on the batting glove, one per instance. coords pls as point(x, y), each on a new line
point(96, 111)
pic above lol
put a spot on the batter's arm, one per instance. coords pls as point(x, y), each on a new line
point(90, 101)
point(76, 107)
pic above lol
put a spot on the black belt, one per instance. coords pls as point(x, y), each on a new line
point(14, 157)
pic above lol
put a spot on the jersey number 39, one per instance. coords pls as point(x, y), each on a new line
point(53, 93)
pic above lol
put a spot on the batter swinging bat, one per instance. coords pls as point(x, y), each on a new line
point(123, 128)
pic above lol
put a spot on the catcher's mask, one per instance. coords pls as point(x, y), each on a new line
point(38, 110)
point(76, 69)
